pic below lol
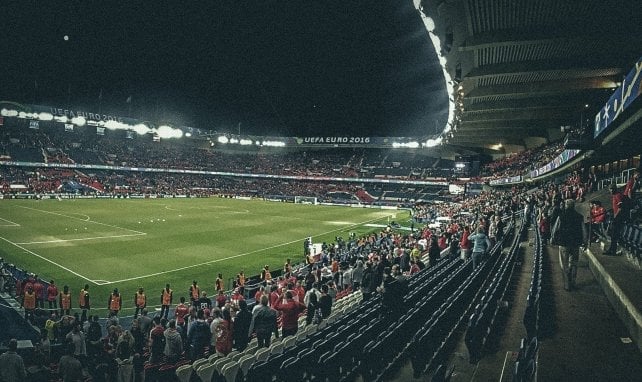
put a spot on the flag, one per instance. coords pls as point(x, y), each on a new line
point(129, 99)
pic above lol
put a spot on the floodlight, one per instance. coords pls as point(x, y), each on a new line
point(141, 129)
point(223, 139)
point(79, 121)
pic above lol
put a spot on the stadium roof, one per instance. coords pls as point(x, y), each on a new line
point(287, 68)
point(528, 67)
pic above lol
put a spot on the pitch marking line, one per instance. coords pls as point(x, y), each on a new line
point(235, 256)
point(11, 224)
point(89, 221)
point(81, 239)
point(49, 261)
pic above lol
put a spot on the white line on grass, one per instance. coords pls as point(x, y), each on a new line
point(90, 221)
point(11, 224)
point(81, 239)
point(48, 260)
point(234, 256)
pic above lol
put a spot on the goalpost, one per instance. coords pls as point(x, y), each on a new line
point(305, 200)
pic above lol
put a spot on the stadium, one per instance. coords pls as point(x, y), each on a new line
point(394, 191)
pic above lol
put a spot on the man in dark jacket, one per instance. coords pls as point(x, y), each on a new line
point(569, 235)
point(242, 326)
point(264, 323)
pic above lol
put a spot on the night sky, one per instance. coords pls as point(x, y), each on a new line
point(276, 67)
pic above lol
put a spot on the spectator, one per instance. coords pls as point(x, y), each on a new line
point(173, 343)
point(263, 323)
point(314, 314)
point(290, 309)
point(224, 334)
point(481, 245)
point(12, 368)
point(69, 367)
point(241, 326)
point(567, 233)
point(434, 252)
point(325, 301)
point(198, 336)
point(618, 220)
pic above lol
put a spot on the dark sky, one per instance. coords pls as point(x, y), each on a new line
point(277, 67)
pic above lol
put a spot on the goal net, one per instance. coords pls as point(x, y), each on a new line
point(305, 199)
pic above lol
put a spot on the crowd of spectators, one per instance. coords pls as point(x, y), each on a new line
point(522, 162)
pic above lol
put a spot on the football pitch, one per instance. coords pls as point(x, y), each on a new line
point(127, 243)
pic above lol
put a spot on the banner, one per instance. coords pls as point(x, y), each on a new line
point(100, 130)
point(69, 127)
point(34, 125)
point(620, 100)
point(561, 159)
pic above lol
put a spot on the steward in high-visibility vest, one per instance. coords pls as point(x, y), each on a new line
point(140, 301)
point(194, 293)
point(29, 303)
point(115, 303)
point(166, 301)
point(65, 301)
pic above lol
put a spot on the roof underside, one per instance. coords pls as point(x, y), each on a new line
point(528, 67)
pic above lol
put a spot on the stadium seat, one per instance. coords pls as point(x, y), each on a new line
point(205, 372)
point(184, 373)
point(245, 362)
point(262, 354)
point(230, 371)
point(219, 363)
point(277, 348)
point(289, 342)
point(199, 362)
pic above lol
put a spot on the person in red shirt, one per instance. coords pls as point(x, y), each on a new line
point(39, 290)
point(617, 223)
point(224, 334)
point(274, 295)
point(221, 299)
point(181, 311)
point(52, 296)
point(598, 217)
point(290, 310)
point(465, 243)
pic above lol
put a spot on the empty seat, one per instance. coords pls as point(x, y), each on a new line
point(205, 372)
point(184, 373)
point(245, 362)
point(230, 371)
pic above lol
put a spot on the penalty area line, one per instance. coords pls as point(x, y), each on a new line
point(48, 260)
point(81, 239)
point(236, 256)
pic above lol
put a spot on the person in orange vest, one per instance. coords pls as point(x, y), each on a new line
point(240, 278)
point(219, 284)
point(29, 303)
point(194, 293)
point(166, 301)
point(65, 301)
point(140, 301)
point(115, 303)
point(83, 302)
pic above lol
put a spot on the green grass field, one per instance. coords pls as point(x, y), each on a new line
point(125, 243)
